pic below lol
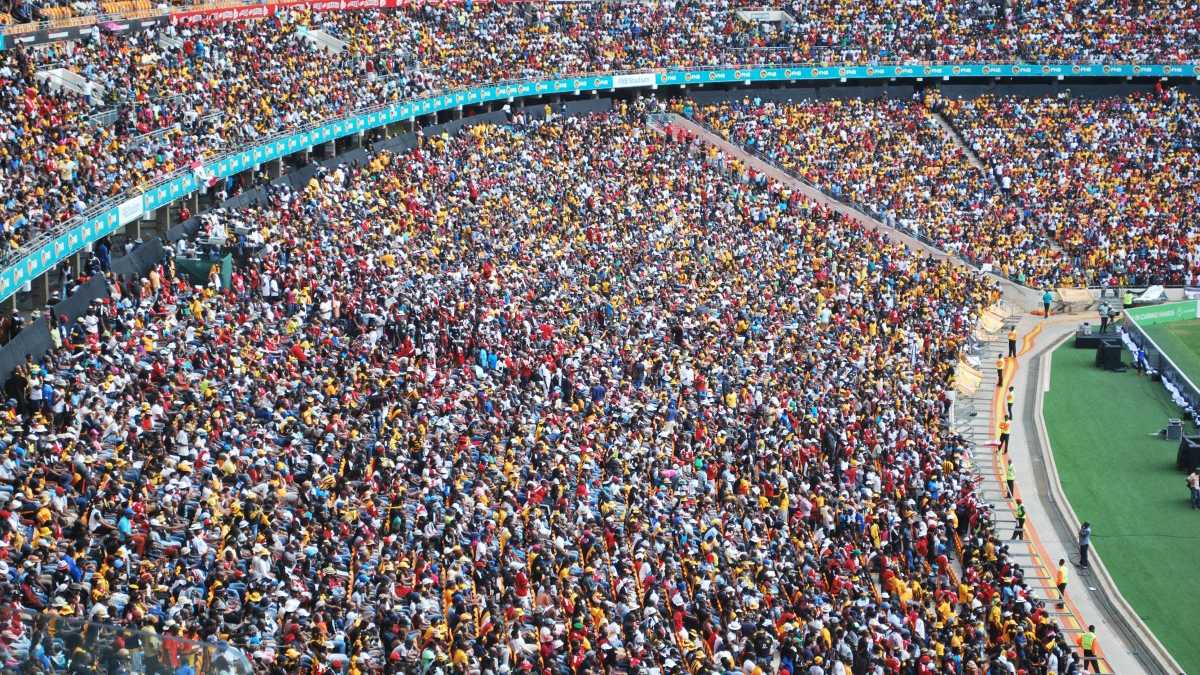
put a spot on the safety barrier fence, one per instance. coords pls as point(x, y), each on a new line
point(886, 219)
point(1182, 388)
point(54, 643)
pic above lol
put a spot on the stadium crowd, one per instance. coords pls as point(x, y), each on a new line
point(1114, 181)
point(1071, 191)
point(892, 157)
point(183, 92)
point(565, 396)
point(168, 98)
point(840, 31)
point(1090, 31)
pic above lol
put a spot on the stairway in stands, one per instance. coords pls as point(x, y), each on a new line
point(976, 417)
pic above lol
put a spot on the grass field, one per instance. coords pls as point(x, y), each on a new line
point(1181, 341)
point(1124, 481)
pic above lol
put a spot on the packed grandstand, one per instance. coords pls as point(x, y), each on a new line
point(562, 394)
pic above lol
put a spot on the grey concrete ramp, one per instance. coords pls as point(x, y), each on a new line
point(1015, 294)
point(1127, 644)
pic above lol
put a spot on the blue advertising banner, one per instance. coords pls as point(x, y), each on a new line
point(37, 262)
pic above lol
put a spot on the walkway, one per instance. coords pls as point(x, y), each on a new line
point(1016, 294)
point(962, 144)
point(1049, 537)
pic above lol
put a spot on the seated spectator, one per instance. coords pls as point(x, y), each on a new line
point(892, 157)
point(1114, 182)
point(540, 396)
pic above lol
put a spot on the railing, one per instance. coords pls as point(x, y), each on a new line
point(50, 643)
point(1174, 379)
point(48, 24)
point(886, 219)
point(37, 256)
point(107, 116)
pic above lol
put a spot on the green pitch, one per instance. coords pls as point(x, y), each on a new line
point(1181, 341)
point(1123, 479)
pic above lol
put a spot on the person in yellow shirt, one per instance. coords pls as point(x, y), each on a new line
point(1060, 581)
point(1010, 477)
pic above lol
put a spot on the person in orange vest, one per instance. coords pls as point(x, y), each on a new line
point(1010, 399)
point(1087, 642)
point(1005, 428)
point(1012, 343)
point(999, 370)
point(1060, 580)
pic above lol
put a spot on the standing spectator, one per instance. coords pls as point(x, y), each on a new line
point(1193, 483)
point(1088, 643)
point(1010, 477)
point(104, 254)
point(1085, 543)
point(1105, 312)
point(1060, 582)
point(1047, 298)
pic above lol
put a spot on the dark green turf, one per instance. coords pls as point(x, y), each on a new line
point(1181, 341)
point(1124, 481)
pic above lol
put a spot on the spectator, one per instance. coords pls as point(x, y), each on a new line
point(1085, 541)
point(536, 398)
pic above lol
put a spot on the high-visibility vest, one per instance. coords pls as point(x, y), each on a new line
point(1010, 473)
point(1012, 336)
point(1005, 426)
point(1011, 398)
point(1020, 510)
point(1061, 577)
point(1000, 363)
point(1087, 641)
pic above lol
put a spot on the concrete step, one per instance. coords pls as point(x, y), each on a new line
point(324, 41)
point(61, 79)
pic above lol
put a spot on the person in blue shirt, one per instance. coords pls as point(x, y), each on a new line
point(125, 525)
point(1047, 298)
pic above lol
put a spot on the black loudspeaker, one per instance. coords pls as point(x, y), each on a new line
point(1189, 453)
point(1108, 354)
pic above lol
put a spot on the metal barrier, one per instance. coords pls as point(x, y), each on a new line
point(51, 643)
point(1173, 377)
point(886, 219)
